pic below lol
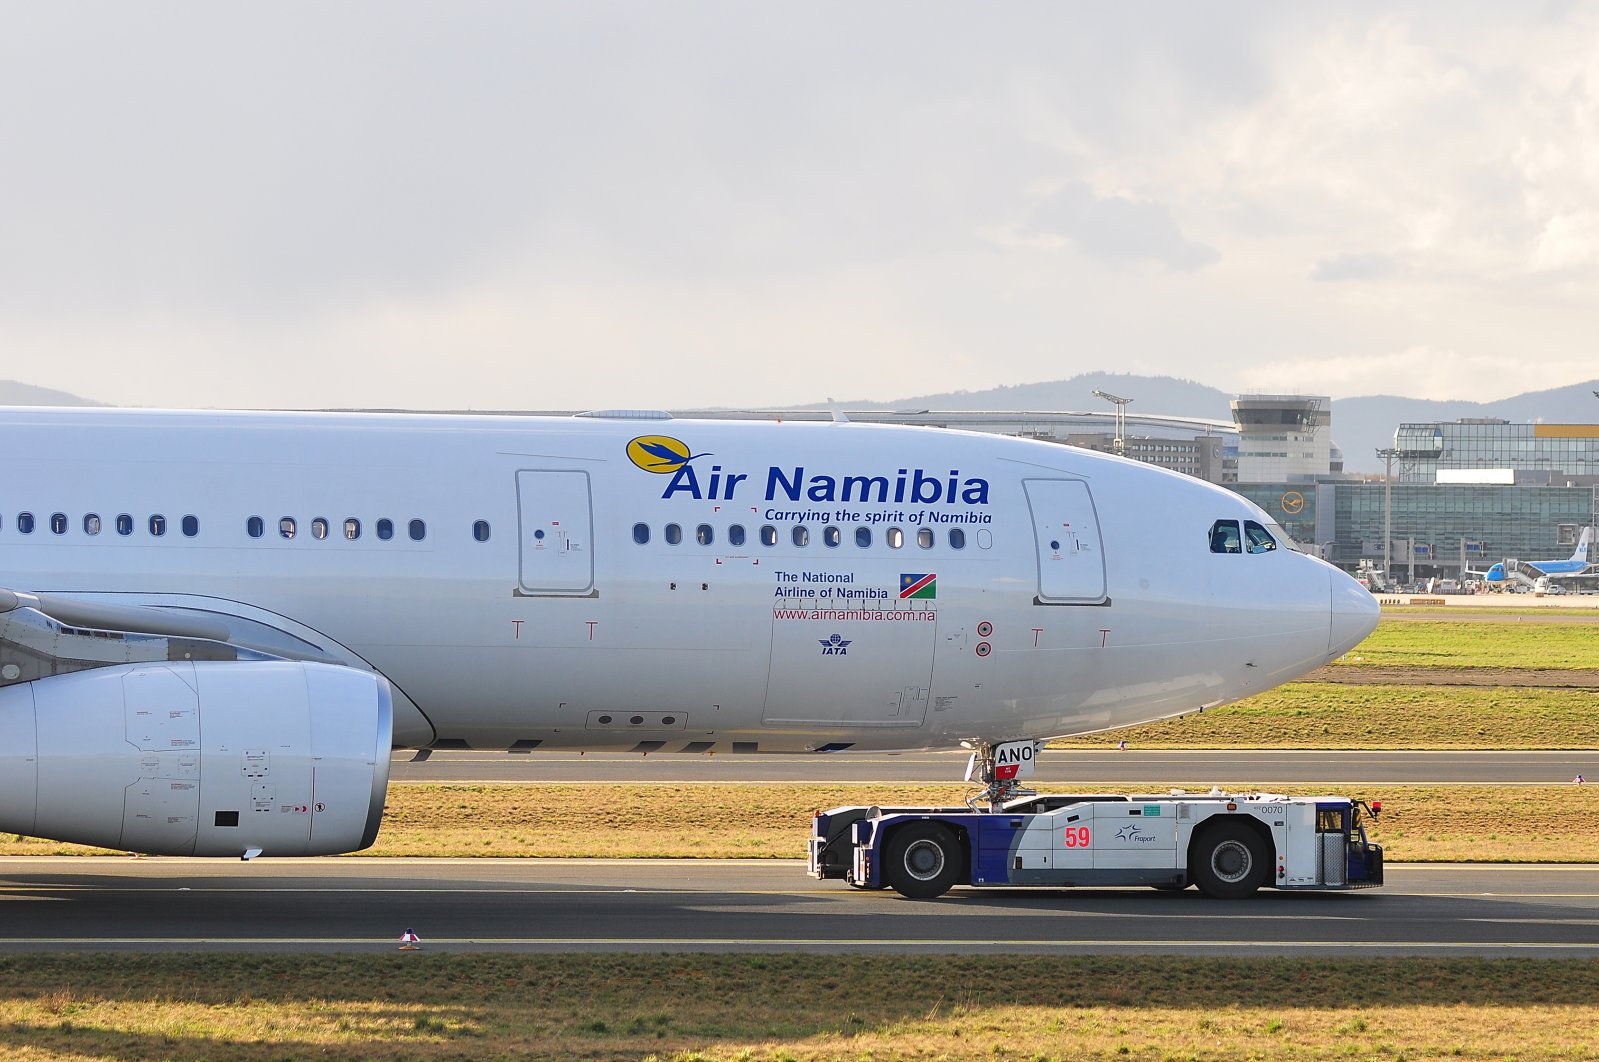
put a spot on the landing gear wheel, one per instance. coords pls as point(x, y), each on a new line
point(922, 860)
point(1229, 861)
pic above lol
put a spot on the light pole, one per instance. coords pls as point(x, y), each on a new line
point(1387, 453)
point(1119, 443)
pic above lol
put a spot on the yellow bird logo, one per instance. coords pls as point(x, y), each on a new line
point(661, 454)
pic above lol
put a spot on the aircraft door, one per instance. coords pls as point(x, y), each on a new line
point(868, 673)
point(1071, 560)
point(556, 533)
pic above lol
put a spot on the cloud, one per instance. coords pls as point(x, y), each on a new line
point(1119, 228)
point(1567, 241)
point(1353, 267)
point(716, 203)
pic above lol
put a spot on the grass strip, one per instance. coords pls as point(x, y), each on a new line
point(1523, 824)
point(1329, 715)
point(1426, 613)
point(793, 1007)
point(1420, 822)
point(1457, 643)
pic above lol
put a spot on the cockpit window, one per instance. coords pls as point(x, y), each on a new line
point(1284, 539)
point(1224, 537)
point(1259, 539)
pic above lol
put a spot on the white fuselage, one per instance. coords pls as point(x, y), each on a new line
point(1080, 592)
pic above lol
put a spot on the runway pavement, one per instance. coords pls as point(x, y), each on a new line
point(363, 905)
point(1068, 769)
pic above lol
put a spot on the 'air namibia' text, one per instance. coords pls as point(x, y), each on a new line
point(912, 486)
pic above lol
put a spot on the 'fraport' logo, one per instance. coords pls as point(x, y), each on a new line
point(837, 645)
point(661, 454)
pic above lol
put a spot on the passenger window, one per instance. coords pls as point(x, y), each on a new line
point(735, 535)
point(255, 527)
point(124, 524)
point(831, 537)
point(802, 535)
point(286, 527)
point(158, 525)
point(319, 528)
point(480, 530)
point(385, 529)
point(641, 533)
point(768, 535)
point(924, 538)
point(58, 523)
point(957, 538)
point(91, 524)
point(863, 537)
point(25, 523)
point(1224, 537)
point(191, 526)
point(704, 535)
point(673, 534)
point(352, 528)
point(1259, 539)
point(895, 537)
point(418, 530)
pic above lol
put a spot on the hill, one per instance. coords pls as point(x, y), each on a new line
point(1360, 425)
point(1151, 394)
point(13, 393)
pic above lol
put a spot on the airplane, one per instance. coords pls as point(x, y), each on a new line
point(1576, 564)
point(217, 625)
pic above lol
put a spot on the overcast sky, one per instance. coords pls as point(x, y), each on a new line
point(528, 205)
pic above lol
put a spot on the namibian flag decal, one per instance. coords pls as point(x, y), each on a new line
point(918, 586)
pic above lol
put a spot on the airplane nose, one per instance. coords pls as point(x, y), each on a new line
point(1354, 614)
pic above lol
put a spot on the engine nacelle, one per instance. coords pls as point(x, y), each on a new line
point(270, 757)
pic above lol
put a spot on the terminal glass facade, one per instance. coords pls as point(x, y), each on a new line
point(1291, 505)
point(1550, 453)
point(1343, 521)
point(1487, 523)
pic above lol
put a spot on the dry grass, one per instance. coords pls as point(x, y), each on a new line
point(1326, 715)
point(1490, 824)
point(727, 820)
point(431, 1006)
point(1420, 822)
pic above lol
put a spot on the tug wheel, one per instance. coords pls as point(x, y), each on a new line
point(922, 860)
point(1229, 861)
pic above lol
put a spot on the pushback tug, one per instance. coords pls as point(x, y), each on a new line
point(1227, 845)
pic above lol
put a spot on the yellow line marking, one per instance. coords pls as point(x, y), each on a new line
point(701, 943)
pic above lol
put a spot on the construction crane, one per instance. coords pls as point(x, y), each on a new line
point(1119, 443)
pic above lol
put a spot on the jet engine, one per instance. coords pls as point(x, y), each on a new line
point(198, 757)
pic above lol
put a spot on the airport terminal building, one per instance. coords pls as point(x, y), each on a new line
point(1497, 451)
point(1463, 494)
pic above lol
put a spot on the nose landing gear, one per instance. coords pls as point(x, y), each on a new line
point(997, 770)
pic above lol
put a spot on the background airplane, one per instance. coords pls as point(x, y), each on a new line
point(1576, 564)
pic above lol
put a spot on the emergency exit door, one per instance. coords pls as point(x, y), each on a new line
point(1071, 558)
point(556, 532)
